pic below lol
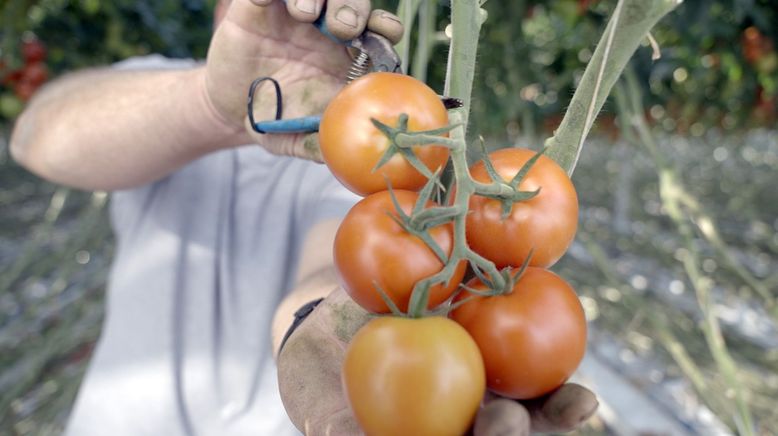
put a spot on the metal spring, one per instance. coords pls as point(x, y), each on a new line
point(359, 67)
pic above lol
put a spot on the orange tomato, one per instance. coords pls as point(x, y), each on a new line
point(352, 146)
point(421, 377)
point(372, 250)
point(545, 224)
point(531, 339)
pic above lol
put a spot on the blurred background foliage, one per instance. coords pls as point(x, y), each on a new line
point(719, 65)
point(536, 52)
point(658, 238)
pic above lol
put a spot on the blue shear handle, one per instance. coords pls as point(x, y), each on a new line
point(294, 125)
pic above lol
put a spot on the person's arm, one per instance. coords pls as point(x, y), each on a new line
point(107, 129)
point(316, 278)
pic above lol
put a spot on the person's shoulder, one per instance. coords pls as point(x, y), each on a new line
point(155, 62)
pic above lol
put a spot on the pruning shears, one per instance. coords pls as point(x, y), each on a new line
point(373, 53)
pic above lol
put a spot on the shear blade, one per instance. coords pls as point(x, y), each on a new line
point(451, 102)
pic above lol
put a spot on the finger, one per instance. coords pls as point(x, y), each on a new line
point(256, 15)
point(386, 24)
point(502, 417)
point(309, 149)
point(346, 19)
point(305, 10)
point(565, 409)
point(340, 423)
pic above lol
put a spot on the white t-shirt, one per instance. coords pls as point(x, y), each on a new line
point(203, 258)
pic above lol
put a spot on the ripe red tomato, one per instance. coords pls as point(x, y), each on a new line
point(407, 376)
point(24, 90)
point(33, 50)
point(9, 77)
point(372, 249)
point(531, 339)
point(352, 146)
point(545, 224)
point(36, 73)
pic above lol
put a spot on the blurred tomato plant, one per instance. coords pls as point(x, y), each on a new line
point(719, 63)
point(706, 76)
point(39, 39)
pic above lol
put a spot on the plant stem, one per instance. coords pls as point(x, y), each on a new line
point(406, 10)
point(465, 188)
point(465, 28)
point(671, 193)
point(658, 320)
point(425, 40)
point(631, 22)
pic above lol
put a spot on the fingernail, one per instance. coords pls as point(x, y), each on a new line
point(388, 16)
point(589, 414)
point(347, 16)
point(306, 6)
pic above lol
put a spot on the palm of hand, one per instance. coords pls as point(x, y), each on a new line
point(309, 368)
point(254, 41)
point(309, 375)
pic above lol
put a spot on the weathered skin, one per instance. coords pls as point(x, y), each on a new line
point(309, 378)
point(309, 367)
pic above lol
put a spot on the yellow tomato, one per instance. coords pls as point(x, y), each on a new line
point(420, 377)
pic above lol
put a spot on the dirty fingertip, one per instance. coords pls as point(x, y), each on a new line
point(386, 24)
point(502, 417)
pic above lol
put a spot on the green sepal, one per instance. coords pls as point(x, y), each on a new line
point(489, 293)
point(438, 131)
point(513, 277)
point(506, 208)
point(426, 193)
point(420, 298)
point(397, 207)
point(387, 130)
point(388, 301)
point(434, 216)
point(490, 170)
point(481, 276)
point(526, 167)
point(386, 157)
point(412, 159)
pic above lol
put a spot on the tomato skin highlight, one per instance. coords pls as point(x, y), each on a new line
point(545, 224)
point(371, 248)
point(352, 146)
point(531, 339)
point(407, 376)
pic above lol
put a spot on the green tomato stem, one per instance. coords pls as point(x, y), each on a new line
point(465, 188)
point(465, 28)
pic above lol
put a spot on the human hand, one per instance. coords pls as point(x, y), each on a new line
point(268, 38)
point(309, 377)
